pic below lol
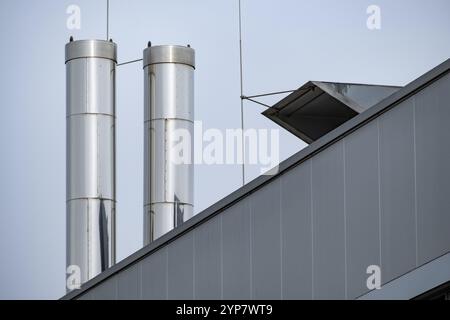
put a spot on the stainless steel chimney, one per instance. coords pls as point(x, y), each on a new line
point(90, 166)
point(168, 111)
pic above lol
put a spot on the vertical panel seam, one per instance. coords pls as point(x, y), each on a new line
point(415, 182)
point(281, 238)
point(140, 280)
point(345, 218)
point(312, 228)
point(116, 288)
point(251, 248)
point(193, 262)
point(379, 193)
point(221, 256)
point(167, 273)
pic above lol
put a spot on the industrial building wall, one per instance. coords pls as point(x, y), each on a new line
point(379, 196)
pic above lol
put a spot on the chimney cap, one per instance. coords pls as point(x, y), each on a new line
point(169, 54)
point(91, 49)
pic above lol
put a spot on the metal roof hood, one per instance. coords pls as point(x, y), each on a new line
point(318, 107)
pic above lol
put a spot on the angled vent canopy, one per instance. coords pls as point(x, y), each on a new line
point(318, 107)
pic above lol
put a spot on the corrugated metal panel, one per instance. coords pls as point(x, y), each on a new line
point(154, 273)
point(432, 114)
point(266, 242)
point(208, 270)
point(106, 290)
point(129, 283)
point(398, 226)
point(362, 206)
point(296, 233)
point(86, 296)
point(181, 268)
point(236, 252)
point(380, 192)
point(328, 223)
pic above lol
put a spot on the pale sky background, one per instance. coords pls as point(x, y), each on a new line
point(285, 44)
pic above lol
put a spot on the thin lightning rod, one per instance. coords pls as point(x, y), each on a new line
point(107, 19)
point(242, 94)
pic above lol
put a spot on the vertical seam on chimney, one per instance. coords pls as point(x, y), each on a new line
point(86, 97)
point(88, 240)
point(165, 163)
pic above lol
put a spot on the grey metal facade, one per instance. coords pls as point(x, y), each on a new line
point(373, 191)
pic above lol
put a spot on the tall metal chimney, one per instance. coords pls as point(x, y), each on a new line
point(90, 166)
point(168, 110)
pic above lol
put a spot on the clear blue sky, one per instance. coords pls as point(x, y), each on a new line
point(285, 44)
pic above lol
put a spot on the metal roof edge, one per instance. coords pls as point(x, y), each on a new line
point(409, 285)
point(301, 156)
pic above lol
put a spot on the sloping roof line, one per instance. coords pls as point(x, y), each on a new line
point(301, 156)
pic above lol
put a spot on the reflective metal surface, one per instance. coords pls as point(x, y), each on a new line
point(92, 49)
point(317, 107)
point(168, 111)
point(90, 167)
point(169, 54)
